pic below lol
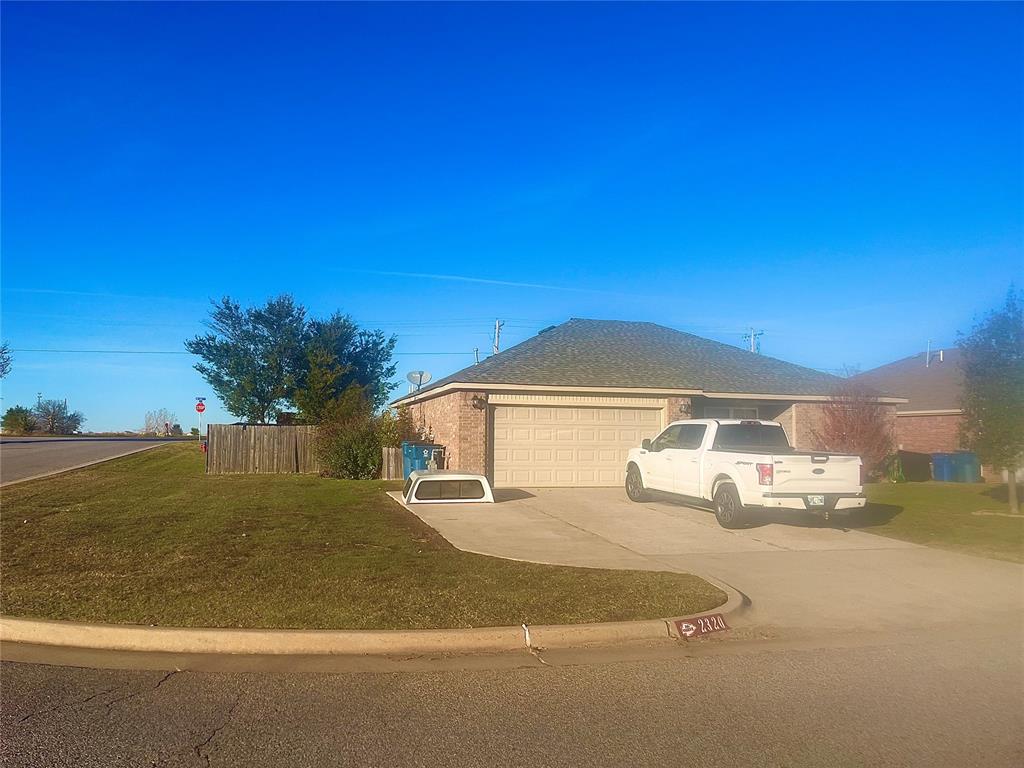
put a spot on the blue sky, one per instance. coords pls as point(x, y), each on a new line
point(846, 177)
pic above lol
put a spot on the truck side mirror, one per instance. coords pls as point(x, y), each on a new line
point(645, 444)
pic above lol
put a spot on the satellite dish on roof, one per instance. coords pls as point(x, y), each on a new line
point(418, 378)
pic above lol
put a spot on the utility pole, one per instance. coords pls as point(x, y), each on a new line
point(497, 335)
point(476, 354)
point(754, 337)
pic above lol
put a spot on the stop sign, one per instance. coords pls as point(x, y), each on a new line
point(200, 407)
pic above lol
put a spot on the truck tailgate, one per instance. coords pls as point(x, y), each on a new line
point(816, 473)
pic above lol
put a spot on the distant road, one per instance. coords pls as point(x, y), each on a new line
point(26, 457)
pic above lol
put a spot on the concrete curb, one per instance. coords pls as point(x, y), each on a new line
point(114, 637)
point(79, 466)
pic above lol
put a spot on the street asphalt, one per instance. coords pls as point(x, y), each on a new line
point(26, 457)
point(907, 700)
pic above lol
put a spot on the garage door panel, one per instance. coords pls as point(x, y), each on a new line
point(561, 446)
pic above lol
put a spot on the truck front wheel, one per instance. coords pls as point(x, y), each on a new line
point(728, 509)
point(635, 484)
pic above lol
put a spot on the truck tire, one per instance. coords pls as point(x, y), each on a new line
point(728, 509)
point(635, 485)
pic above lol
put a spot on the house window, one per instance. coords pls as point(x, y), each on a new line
point(724, 412)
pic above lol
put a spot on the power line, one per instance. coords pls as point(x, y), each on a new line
point(171, 352)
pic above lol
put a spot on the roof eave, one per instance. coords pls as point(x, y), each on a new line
point(417, 397)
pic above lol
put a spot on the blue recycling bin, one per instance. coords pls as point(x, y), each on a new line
point(416, 456)
point(943, 467)
point(966, 467)
point(959, 467)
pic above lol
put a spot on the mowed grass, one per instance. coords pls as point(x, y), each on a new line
point(150, 539)
point(942, 515)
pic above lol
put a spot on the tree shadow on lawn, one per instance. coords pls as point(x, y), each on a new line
point(1000, 492)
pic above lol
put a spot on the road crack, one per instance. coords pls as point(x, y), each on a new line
point(199, 748)
point(133, 694)
point(63, 704)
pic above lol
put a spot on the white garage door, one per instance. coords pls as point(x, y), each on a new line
point(556, 446)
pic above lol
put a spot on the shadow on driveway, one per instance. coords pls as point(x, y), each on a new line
point(869, 516)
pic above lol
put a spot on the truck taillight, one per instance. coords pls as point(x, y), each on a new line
point(765, 473)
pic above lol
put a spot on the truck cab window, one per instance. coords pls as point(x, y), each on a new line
point(667, 439)
point(691, 436)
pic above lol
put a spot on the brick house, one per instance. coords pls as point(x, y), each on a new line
point(564, 407)
point(929, 421)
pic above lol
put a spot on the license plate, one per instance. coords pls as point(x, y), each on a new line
point(700, 625)
point(816, 501)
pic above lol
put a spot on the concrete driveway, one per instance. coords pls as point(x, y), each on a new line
point(798, 572)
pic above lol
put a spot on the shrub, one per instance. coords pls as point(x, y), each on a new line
point(395, 426)
point(853, 421)
point(19, 421)
point(349, 449)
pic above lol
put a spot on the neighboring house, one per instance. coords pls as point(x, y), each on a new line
point(564, 407)
point(929, 421)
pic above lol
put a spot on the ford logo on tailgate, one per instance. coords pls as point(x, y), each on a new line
point(818, 471)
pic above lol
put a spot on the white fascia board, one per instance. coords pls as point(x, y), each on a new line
point(797, 398)
point(415, 397)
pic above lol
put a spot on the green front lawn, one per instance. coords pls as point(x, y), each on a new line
point(150, 539)
point(942, 515)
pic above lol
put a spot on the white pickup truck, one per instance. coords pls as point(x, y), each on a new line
point(740, 466)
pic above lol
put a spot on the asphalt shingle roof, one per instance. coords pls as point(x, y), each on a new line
point(932, 387)
point(614, 353)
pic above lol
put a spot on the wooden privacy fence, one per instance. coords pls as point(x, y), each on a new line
point(391, 464)
point(261, 449)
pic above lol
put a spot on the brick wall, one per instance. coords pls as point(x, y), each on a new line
point(678, 408)
point(458, 421)
point(928, 434)
point(785, 418)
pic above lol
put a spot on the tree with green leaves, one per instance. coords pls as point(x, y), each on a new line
point(54, 418)
point(252, 357)
point(19, 420)
point(341, 357)
point(261, 359)
point(992, 361)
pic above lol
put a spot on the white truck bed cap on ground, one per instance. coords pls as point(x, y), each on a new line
point(446, 486)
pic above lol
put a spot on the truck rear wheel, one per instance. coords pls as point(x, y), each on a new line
point(635, 484)
point(728, 509)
